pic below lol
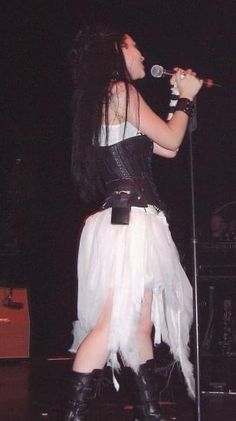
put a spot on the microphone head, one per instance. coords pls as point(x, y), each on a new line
point(157, 71)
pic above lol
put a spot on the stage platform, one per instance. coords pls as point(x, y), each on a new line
point(35, 389)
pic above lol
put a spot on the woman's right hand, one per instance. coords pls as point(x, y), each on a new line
point(186, 83)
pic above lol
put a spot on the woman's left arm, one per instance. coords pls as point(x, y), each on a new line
point(165, 153)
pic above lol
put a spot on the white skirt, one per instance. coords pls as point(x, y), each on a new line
point(130, 259)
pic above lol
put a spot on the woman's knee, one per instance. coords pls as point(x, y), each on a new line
point(101, 328)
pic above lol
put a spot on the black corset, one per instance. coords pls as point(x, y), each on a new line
point(126, 170)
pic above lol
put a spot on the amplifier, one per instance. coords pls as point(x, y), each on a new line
point(217, 333)
point(216, 258)
point(217, 305)
point(14, 323)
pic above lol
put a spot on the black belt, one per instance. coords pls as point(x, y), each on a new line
point(121, 202)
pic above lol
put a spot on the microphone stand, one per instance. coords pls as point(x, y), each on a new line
point(192, 126)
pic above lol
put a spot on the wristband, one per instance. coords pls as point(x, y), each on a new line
point(185, 105)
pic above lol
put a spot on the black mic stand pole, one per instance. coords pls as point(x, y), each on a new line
point(192, 126)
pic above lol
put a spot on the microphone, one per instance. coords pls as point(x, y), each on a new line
point(159, 71)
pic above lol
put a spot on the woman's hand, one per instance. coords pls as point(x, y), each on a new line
point(186, 82)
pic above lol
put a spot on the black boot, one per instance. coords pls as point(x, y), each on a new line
point(144, 385)
point(83, 391)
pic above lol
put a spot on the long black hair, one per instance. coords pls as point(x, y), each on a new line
point(97, 59)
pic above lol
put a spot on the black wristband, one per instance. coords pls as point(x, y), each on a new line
point(185, 105)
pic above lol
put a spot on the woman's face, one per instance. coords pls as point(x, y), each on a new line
point(133, 58)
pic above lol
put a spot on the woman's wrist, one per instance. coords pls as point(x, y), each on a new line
point(190, 97)
point(180, 102)
point(185, 105)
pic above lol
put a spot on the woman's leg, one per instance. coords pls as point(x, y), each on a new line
point(92, 352)
point(88, 364)
point(145, 329)
point(145, 382)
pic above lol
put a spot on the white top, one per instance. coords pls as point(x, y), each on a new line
point(116, 133)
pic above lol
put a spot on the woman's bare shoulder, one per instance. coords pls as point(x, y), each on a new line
point(121, 88)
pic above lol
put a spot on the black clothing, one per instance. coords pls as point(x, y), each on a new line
point(126, 171)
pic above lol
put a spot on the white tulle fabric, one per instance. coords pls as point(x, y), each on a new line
point(129, 259)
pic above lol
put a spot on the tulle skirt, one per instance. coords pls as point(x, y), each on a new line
point(130, 259)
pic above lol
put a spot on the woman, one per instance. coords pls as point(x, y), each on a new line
point(130, 278)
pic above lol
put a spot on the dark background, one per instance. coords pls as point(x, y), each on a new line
point(40, 212)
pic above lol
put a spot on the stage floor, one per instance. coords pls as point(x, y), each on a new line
point(35, 389)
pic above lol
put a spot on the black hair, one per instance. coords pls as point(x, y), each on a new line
point(97, 59)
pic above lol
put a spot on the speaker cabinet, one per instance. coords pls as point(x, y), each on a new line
point(14, 323)
point(217, 299)
point(217, 315)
